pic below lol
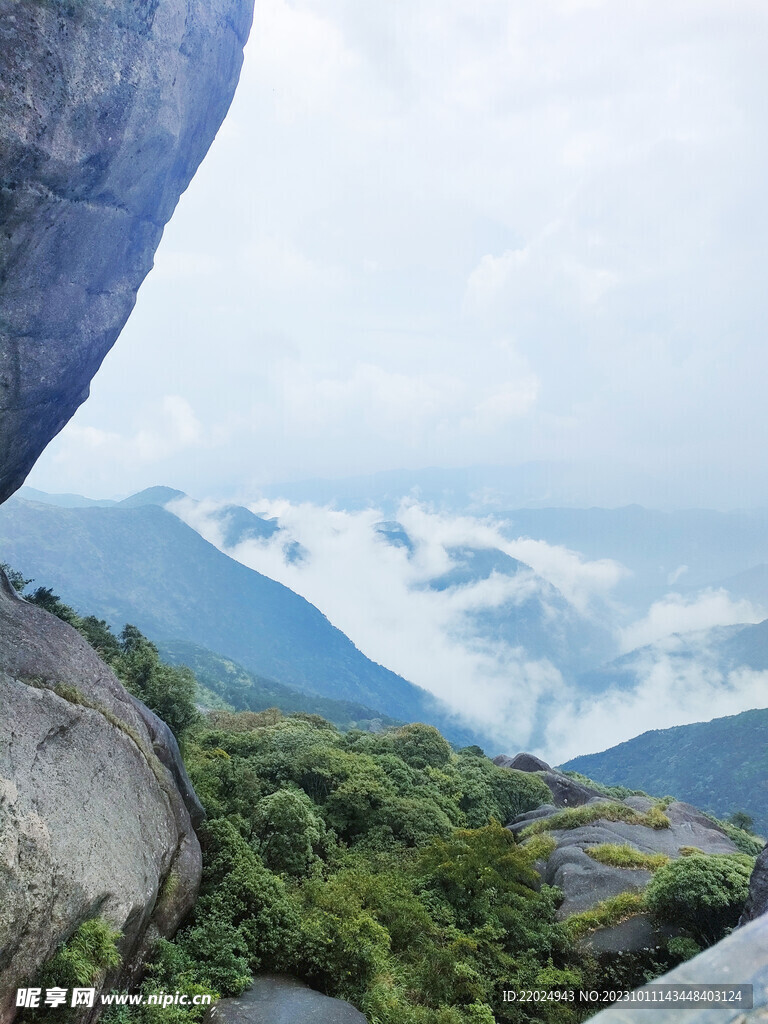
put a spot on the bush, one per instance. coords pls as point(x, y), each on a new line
point(289, 834)
point(421, 746)
point(743, 840)
point(540, 846)
point(702, 893)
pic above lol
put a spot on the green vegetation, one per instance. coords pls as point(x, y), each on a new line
point(719, 766)
point(376, 867)
point(358, 862)
point(17, 579)
point(225, 684)
point(625, 856)
point(575, 817)
point(742, 820)
point(702, 893)
point(745, 841)
point(605, 914)
point(540, 847)
point(82, 960)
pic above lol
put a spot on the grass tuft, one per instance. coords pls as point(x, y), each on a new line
point(575, 817)
point(605, 914)
point(626, 856)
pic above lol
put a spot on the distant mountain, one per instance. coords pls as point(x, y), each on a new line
point(239, 524)
point(151, 496)
point(246, 691)
point(479, 488)
point(143, 565)
point(534, 616)
point(751, 584)
point(664, 550)
point(720, 766)
point(721, 648)
point(64, 500)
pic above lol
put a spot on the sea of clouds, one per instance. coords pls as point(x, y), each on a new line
point(379, 594)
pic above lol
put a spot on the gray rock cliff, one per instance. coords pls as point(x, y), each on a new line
point(94, 803)
point(757, 902)
point(584, 881)
point(106, 109)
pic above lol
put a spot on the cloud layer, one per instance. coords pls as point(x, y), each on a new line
point(385, 596)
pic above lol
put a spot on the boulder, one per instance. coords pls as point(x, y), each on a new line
point(92, 820)
point(280, 999)
point(522, 762)
point(566, 792)
point(739, 959)
point(636, 934)
point(757, 901)
point(106, 109)
point(585, 882)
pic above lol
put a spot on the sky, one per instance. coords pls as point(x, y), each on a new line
point(456, 233)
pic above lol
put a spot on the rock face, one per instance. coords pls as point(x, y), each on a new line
point(566, 792)
point(585, 881)
point(740, 959)
point(94, 803)
point(757, 902)
point(106, 109)
point(280, 999)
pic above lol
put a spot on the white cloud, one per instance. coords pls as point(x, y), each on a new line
point(492, 276)
point(671, 692)
point(402, 185)
point(277, 264)
point(677, 613)
point(377, 594)
point(175, 427)
point(580, 580)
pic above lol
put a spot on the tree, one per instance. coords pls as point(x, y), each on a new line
point(17, 580)
point(742, 820)
point(421, 746)
point(167, 690)
point(290, 835)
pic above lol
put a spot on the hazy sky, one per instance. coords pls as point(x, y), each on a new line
point(450, 232)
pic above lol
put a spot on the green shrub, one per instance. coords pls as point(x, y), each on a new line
point(289, 834)
point(702, 893)
point(540, 846)
point(682, 948)
point(744, 841)
point(421, 746)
